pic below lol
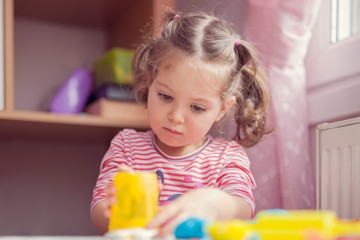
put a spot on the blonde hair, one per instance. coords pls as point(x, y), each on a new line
point(214, 42)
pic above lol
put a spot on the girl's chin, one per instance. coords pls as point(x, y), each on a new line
point(168, 141)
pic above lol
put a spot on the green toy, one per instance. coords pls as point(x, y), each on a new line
point(114, 67)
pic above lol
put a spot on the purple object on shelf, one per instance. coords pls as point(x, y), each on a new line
point(73, 95)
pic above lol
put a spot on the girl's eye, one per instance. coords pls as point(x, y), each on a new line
point(165, 97)
point(197, 108)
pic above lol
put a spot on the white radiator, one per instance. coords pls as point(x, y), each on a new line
point(338, 168)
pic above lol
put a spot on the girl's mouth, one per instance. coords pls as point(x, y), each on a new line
point(172, 131)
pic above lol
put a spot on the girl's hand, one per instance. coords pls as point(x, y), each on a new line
point(205, 203)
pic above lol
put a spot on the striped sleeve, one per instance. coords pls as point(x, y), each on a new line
point(235, 177)
point(114, 157)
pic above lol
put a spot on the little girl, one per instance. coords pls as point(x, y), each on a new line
point(190, 77)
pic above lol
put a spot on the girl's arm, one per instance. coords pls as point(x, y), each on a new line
point(99, 218)
point(206, 203)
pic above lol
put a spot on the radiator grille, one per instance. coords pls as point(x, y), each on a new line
point(338, 168)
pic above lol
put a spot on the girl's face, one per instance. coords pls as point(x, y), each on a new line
point(183, 103)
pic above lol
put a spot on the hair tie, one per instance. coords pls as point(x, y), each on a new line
point(176, 16)
point(242, 68)
point(236, 43)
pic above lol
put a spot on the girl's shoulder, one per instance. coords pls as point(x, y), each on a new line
point(131, 135)
point(222, 144)
point(134, 133)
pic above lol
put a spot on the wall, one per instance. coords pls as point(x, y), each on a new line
point(46, 185)
point(45, 56)
point(333, 77)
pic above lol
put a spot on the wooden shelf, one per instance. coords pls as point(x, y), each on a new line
point(55, 127)
point(113, 16)
point(131, 121)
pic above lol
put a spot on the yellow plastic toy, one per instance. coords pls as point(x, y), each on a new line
point(137, 200)
point(287, 225)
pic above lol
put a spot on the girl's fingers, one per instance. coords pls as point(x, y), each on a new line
point(110, 189)
point(125, 168)
point(160, 186)
point(110, 198)
point(108, 212)
point(164, 216)
point(169, 226)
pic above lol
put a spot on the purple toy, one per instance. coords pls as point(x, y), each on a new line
point(73, 95)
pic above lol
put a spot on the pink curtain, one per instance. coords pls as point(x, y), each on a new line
point(281, 31)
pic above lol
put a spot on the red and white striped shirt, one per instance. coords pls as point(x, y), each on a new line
point(218, 163)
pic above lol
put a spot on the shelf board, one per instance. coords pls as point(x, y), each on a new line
point(87, 13)
point(29, 125)
point(131, 121)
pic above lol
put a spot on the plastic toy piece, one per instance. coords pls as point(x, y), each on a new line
point(114, 67)
point(137, 200)
point(191, 228)
point(278, 225)
point(73, 95)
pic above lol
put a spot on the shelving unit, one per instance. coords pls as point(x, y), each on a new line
point(49, 162)
point(121, 20)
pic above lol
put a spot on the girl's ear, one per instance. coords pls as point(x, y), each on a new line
point(225, 107)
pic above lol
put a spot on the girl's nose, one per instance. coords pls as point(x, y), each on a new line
point(176, 115)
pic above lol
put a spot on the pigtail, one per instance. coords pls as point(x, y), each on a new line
point(252, 103)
